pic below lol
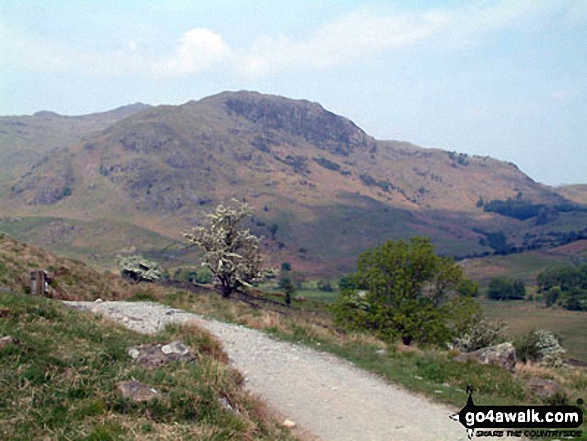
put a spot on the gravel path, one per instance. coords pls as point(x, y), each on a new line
point(325, 395)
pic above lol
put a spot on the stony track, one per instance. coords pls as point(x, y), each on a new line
point(328, 397)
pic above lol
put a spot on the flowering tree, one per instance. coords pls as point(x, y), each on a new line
point(231, 252)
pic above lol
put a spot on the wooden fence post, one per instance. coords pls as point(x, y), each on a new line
point(38, 282)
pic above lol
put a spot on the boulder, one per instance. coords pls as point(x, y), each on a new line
point(153, 355)
point(503, 354)
point(137, 391)
point(544, 388)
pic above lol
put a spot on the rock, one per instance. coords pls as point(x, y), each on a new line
point(153, 355)
point(381, 352)
point(503, 354)
point(227, 406)
point(8, 341)
point(544, 388)
point(137, 391)
point(175, 347)
point(289, 424)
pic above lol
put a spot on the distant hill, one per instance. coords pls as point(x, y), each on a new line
point(24, 140)
point(321, 188)
point(575, 193)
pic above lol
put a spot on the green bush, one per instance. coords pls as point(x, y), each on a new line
point(410, 293)
point(565, 286)
point(324, 285)
point(540, 346)
point(482, 334)
point(502, 288)
point(139, 269)
point(552, 295)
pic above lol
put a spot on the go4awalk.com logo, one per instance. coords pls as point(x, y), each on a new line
point(518, 421)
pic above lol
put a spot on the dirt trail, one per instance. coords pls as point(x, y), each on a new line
point(328, 397)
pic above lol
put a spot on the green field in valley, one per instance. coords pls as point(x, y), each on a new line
point(521, 316)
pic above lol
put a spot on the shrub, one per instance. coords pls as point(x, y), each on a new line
point(409, 293)
point(565, 286)
point(139, 269)
point(324, 285)
point(540, 346)
point(482, 334)
point(552, 295)
point(346, 283)
point(502, 288)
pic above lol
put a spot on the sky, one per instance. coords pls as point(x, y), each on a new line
point(506, 79)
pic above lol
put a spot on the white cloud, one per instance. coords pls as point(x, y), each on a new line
point(364, 33)
point(198, 50)
point(348, 39)
point(370, 31)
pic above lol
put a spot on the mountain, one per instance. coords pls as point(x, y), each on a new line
point(321, 188)
point(575, 193)
point(24, 140)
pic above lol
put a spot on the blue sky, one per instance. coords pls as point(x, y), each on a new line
point(506, 79)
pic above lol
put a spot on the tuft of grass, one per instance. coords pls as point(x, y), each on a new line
point(59, 382)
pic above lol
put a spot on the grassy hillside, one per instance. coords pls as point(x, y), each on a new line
point(576, 193)
point(72, 279)
point(26, 140)
point(60, 381)
point(525, 266)
point(96, 241)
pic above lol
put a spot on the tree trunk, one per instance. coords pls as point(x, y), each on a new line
point(406, 340)
point(226, 290)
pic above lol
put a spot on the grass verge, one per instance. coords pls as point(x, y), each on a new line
point(59, 381)
point(428, 371)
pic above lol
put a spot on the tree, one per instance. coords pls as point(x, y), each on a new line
point(139, 269)
point(405, 290)
point(502, 288)
point(231, 252)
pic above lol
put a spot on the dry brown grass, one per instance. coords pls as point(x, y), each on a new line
point(72, 280)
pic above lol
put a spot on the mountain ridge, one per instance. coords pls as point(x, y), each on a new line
point(330, 188)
